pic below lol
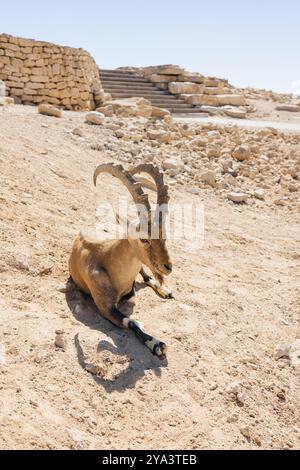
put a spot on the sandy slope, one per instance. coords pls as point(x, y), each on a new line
point(235, 301)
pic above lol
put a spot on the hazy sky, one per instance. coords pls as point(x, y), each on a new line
point(251, 42)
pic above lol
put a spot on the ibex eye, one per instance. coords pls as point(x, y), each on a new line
point(145, 241)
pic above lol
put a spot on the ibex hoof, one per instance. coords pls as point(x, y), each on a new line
point(160, 350)
point(164, 292)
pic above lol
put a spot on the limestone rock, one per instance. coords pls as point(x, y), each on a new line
point(239, 113)
point(259, 194)
point(108, 110)
point(282, 350)
point(94, 117)
point(49, 110)
point(209, 177)
point(128, 107)
point(242, 153)
point(60, 341)
point(233, 100)
point(294, 353)
point(185, 87)
point(159, 135)
point(172, 164)
point(288, 107)
point(201, 99)
point(168, 69)
point(7, 101)
point(160, 78)
point(159, 113)
point(192, 78)
point(237, 197)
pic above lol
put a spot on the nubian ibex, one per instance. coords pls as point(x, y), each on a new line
point(107, 269)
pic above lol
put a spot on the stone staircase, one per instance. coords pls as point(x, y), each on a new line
point(122, 84)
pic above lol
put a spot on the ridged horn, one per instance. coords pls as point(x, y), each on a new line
point(134, 188)
point(158, 176)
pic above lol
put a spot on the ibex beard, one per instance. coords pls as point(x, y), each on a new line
point(107, 269)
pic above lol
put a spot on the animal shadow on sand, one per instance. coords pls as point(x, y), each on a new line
point(124, 343)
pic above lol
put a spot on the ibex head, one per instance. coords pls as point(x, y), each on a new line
point(149, 242)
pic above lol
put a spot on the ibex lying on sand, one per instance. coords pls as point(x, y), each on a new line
point(107, 269)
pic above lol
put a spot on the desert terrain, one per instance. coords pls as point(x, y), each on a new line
point(225, 384)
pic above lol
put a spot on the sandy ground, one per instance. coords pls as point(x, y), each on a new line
point(246, 123)
point(266, 110)
point(235, 301)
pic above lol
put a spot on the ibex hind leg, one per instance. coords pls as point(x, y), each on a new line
point(159, 289)
point(105, 297)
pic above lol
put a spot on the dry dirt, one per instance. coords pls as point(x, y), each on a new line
point(235, 301)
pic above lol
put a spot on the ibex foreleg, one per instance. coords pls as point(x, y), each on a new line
point(105, 298)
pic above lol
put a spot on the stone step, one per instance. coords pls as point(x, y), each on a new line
point(125, 86)
point(122, 76)
point(124, 79)
point(129, 84)
point(131, 90)
point(121, 94)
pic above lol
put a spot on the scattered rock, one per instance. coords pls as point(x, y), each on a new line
point(245, 431)
point(209, 177)
point(288, 107)
point(66, 287)
point(238, 113)
point(49, 110)
point(108, 110)
point(160, 113)
point(240, 398)
point(95, 118)
point(259, 194)
point(294, 354)
point(242, 153)
point(78, 131)
point(233, 388)
point(95, 369)
point(237, 197)
point(131, 107)
point(213, 386)
point(6, 101)
point(60, 341)
point(193, 191)
point(172, 163)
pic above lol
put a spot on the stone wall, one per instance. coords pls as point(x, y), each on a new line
point(37, 72)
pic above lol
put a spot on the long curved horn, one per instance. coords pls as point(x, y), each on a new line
point(126, 178)
point(158, 176)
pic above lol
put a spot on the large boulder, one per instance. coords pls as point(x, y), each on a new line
point(214, 100)
point(49, 110)
point(288, 107)
point(159, 113)
point(201, 99)
point(94, 117)
point(157, 78)
point(168, 69)
point(6, 101)
point(185, 87)
point(129, 107)
point(191, 77)
point(233, 100)
point(235, 112)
